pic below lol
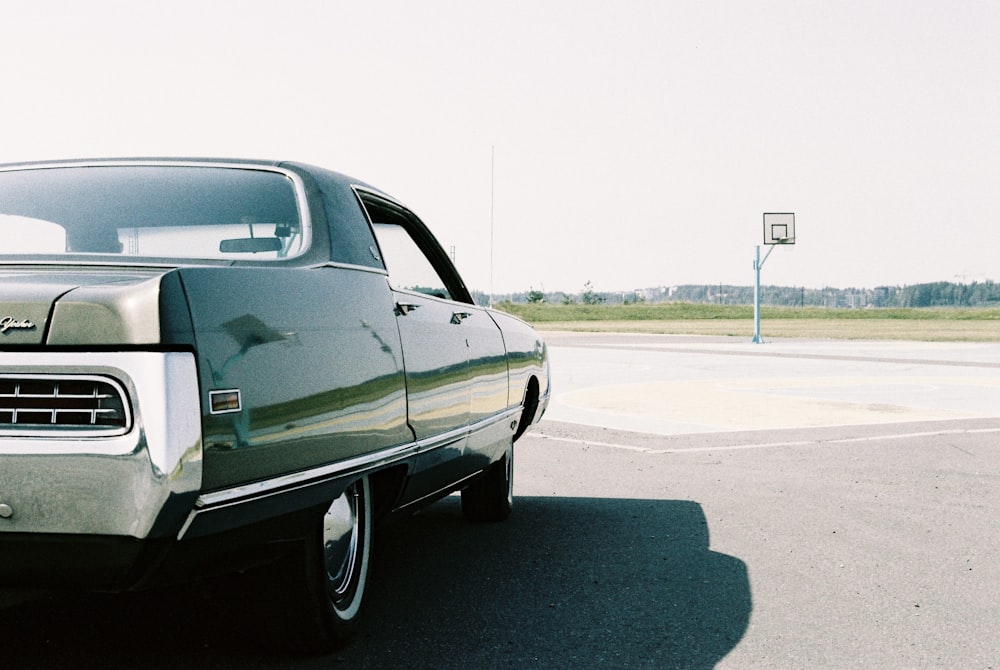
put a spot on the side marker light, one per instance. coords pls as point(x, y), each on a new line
point(225, 401)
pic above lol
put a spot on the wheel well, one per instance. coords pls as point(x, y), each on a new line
point(387, 487)
point(530, 407)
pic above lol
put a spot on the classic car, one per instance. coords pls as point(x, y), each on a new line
point(228, 365)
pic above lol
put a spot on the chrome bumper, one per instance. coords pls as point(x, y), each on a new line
point(139, 484)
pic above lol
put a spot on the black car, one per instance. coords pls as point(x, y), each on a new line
point(217, 365)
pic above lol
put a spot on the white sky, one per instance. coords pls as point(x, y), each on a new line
point(636, 144)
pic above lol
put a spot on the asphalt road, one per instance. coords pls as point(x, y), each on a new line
point(687, 503)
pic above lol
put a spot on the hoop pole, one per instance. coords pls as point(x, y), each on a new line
point(758, 263)
point(756, 299)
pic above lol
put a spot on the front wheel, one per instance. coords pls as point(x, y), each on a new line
point(321, 589)
point(491, 497)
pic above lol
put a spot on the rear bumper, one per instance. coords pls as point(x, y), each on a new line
point(134, 486)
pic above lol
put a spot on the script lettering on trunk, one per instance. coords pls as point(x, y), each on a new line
point(12, 323)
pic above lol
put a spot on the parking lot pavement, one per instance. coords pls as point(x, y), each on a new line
point(864, 546)
point(856, 481)
point(680, 384)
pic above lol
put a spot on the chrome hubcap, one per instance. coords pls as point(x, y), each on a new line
point(341, 531)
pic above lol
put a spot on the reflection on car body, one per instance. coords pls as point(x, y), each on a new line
point(215, 365)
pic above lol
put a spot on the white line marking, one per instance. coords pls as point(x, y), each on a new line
point(768, 445)
point(592, 443)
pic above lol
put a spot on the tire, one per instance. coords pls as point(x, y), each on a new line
point(321, 589)
point(491, 497)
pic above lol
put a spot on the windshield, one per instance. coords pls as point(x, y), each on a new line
point(151, 211)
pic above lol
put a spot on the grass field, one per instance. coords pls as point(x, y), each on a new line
point(936, 324)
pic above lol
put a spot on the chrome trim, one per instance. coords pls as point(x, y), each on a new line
point(15, 323)
point(55, 429)
point(122, 485)
point(510, 412)
point(351, 266)
point(422, 500)
point(254, 491)
point(296, 480)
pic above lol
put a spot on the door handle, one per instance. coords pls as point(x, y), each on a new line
point(459, 317)
point(404, 308)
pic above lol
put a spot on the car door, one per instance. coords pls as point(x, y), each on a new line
point(435, 351)
point(453, 353)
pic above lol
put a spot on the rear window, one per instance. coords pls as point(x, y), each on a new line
point(152, 211)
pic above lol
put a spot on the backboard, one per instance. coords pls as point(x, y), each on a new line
point(779, 228)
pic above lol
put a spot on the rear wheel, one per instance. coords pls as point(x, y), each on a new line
point(491, 497)
point(322, 588)
point(346, 539)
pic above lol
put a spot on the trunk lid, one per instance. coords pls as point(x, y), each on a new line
point(70, 306)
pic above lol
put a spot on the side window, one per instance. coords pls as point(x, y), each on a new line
point(409, 269)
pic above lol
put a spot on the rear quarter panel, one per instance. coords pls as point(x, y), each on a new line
point(527, 357)
point(316, 357)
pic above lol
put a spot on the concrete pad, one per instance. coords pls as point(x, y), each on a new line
point(698, 385)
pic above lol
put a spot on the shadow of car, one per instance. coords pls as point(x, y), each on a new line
point(565, 583)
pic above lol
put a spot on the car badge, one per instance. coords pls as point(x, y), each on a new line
point(13, 323)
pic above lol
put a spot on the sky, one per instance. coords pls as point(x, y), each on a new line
point(552, 144)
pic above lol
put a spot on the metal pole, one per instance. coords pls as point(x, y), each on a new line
point(758, 263)
point(492, 174)
point(756, 299)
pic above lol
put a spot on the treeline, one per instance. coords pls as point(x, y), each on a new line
point(948, 294)
point(936, 294)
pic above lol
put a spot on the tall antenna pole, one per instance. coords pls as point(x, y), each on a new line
point(492, 173)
